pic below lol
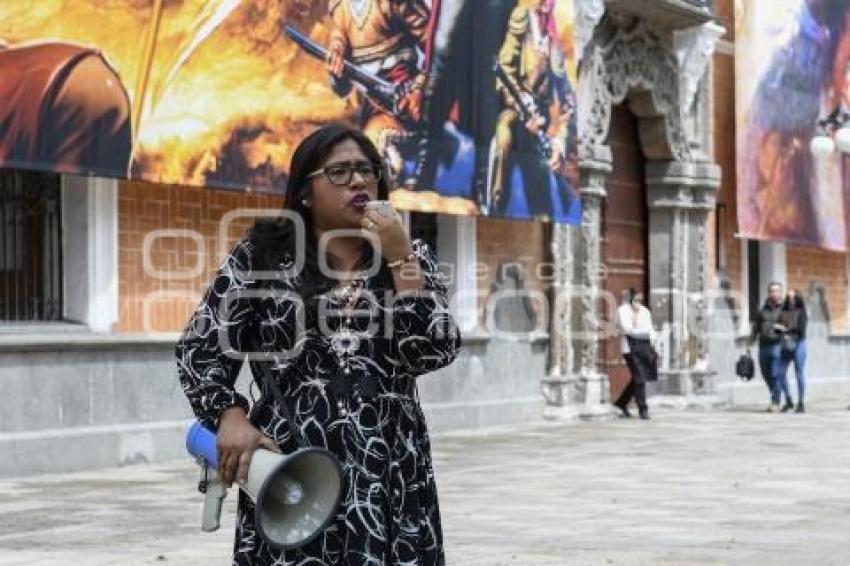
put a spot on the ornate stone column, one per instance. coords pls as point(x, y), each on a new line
point(575, 387)
point(593, 381)
point(560, 386)
point(680, 196)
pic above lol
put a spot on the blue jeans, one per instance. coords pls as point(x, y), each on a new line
point(799, 370)
point(770, 362)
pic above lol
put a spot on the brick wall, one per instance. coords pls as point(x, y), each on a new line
point(810, 265)
point(502, 241)
point(723, 111)
point(162, 302)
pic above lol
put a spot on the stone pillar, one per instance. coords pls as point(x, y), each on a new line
point(680, 196)
point(575, 388)
point(594, 179)
point(773, 266)
point(90, 220)
point(560, 386)
point(560, 353)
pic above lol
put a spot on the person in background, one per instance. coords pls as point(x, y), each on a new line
point(635, 323)
point(767, 329)
point(795, 319)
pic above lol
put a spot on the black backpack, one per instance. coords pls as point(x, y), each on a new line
point(745, 368)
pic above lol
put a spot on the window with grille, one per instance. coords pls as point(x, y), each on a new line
point(30, 247)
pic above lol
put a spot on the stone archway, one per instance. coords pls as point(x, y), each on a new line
point(627, 61)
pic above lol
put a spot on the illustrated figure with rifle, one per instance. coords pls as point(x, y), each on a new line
point(384, 39)
point(532, 76)
point(464, 38)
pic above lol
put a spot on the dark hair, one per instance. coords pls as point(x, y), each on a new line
point(631, 294)
point(274, 239)
point(799, 303)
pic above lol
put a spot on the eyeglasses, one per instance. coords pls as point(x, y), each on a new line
point(342, 172)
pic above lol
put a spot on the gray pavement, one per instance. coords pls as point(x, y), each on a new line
point(699, 487)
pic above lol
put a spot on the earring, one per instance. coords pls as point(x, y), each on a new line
point(305, 202)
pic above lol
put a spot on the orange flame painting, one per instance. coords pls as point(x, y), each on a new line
point(218, 93)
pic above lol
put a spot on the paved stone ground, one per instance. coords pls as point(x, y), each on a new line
point(700, 487)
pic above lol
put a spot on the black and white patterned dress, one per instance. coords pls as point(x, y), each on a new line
point(350, 389)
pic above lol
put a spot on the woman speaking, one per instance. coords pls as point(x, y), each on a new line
point(351, 312)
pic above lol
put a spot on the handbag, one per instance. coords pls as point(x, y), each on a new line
point(788, 341)
point(652, 358)
point(745, 367)
point(788, 346)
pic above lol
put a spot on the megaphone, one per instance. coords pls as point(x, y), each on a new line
point(295, 495)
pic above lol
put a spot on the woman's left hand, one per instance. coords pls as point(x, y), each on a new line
point(390, 232)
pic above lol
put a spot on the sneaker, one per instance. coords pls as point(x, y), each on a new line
point(789, 404)
point(800, 408)
point(772, 408)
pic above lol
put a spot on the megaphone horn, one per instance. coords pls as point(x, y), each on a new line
point(295, 495)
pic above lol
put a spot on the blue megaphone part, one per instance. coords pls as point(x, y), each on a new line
point(201, 443)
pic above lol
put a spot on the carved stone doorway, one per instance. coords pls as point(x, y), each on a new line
point(624, 237)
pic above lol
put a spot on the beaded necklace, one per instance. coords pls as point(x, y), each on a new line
point(345, 342)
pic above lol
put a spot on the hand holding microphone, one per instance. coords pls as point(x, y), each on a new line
point(385, 223)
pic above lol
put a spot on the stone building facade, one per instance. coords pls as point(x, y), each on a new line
point(667, 66)
point(656, 129)
point(652, 57)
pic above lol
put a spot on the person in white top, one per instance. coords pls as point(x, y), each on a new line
point(635, 323)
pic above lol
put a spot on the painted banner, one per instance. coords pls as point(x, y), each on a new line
point(793, 105)
point(471, 102)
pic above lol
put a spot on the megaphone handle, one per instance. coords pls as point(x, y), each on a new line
point(213, 500)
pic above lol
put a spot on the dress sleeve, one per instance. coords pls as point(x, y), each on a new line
point(208, 359)
point(425, 334)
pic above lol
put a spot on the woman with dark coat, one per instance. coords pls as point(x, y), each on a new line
point(349, 323)
point(795, 320)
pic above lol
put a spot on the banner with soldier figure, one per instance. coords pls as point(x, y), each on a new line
point(472, 103)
